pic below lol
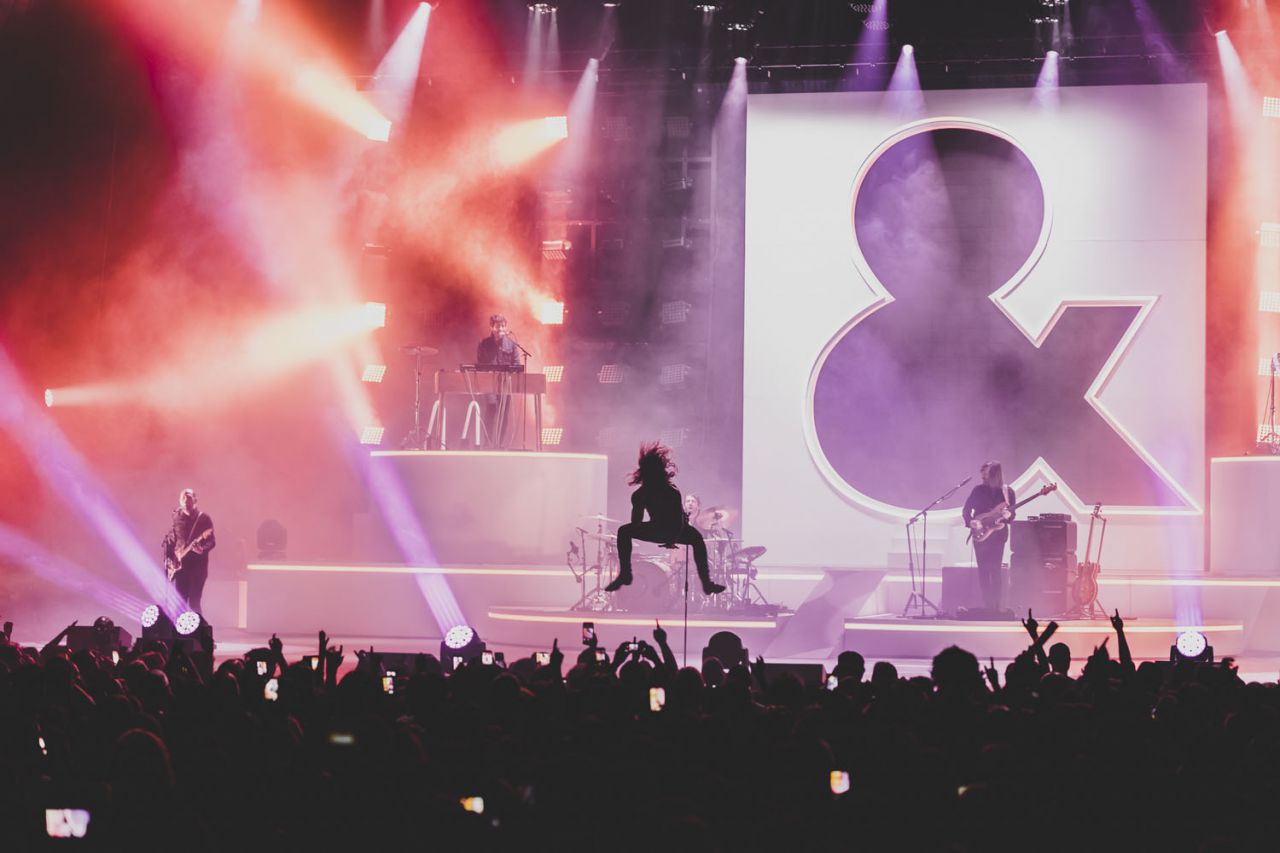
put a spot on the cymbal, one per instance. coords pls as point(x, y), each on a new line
point(599, 517)
point(603, 537)
point(419, 349)
point(751, 553)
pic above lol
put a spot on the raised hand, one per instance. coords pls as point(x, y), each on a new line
point(276, 645)
point(1117, 622)
point(659, 633)
point(1031, 624)
point(557, 656)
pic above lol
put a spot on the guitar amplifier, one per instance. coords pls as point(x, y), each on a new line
point(1044, 538)
point(1040, 584)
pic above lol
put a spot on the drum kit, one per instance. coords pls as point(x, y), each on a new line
point(658, 575)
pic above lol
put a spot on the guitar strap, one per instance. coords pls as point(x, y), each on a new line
point(192, 529)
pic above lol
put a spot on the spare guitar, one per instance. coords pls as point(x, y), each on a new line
point(997, 518)
point(1084, 591)
point(174, 565)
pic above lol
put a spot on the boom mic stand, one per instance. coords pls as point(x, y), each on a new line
point(919, 599)
point(524, 386)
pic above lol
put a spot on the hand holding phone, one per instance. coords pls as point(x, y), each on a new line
point(657, 698)
point(542, 658)
point(486, 658)
point(271, 690)
point(839, 782)
point(588, 633)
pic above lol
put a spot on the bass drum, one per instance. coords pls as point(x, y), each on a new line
point(650, 590)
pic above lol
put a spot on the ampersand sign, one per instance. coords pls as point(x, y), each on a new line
point(934, 378)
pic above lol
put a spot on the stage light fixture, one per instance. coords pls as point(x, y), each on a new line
point(188, 623)
point(609, 374)
point(460, 643)
point(1269, 301)
point(150, 615)
point(1191, 647)
point(48, 397)
point(673, 374)
point(1270, 107)
point(556, 250)
point(372, 435)
point(552, 435)
point(373, 373)
point(1269, 235)
point(553, 372)
point(551, 313)
point(379, 130)
point(674, 438)
point(674, 313)
point(542, 8)
point(375, 314)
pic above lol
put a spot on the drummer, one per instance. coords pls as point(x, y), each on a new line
point(717, 538)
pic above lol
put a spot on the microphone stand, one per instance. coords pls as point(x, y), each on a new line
point(919, 599)
point(524, 392)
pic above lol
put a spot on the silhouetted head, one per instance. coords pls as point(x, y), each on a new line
point(726, 647)
point(956, 671)
point(850, 665)
point(884, 675)
point(1060, 658)
point(992, 474)
point(654, 467)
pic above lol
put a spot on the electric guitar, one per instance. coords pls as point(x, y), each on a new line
point(997, 518)
point(174, 565)
point(1084, 592)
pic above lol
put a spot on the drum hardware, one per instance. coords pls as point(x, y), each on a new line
point(417, 439)
point(602, 518)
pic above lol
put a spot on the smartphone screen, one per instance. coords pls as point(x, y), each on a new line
point(66, 823)
point(499, 657)
point(115, 656)
point(633, 647)
point(315, 662)
point(262, 667)
point(457, 661)
point(832, 682)
point(588, 633)
point(486, 658)
point(657, 698)
point(389, 684)
point(473, 804)
point(839, 781)
point(601, 657)
point(542, 658)
point(271, 690)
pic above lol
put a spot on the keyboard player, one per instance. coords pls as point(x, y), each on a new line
point(497, 349)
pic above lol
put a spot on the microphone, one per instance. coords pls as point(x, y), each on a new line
point(965, 480)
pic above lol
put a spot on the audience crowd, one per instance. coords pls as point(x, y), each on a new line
point(164, 751)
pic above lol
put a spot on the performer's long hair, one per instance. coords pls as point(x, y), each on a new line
point(996, 473)
point(655, 467)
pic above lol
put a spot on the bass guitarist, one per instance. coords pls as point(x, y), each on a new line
point(989, 550)
point(186, 549)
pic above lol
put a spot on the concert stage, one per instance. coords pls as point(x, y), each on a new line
point(822, 612)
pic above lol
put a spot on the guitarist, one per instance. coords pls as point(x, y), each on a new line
point(986, 496)
point(195, 528)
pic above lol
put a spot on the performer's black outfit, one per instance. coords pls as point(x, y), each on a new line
point(189, 582)
point(666, 524)
point(990, 551)
point(501, 352)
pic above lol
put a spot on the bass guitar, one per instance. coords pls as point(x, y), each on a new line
point(997, 518)
point(174, 565)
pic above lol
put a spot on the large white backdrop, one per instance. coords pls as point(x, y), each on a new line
point(1123, 170)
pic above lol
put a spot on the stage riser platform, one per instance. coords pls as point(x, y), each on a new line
point(387, 601)
point(925, 638)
